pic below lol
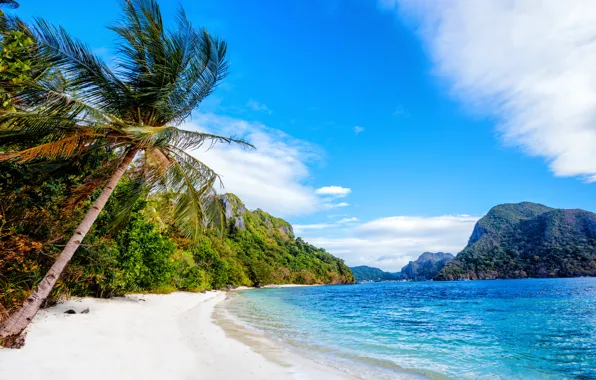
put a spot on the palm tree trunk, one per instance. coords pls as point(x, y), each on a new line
point(11, 331)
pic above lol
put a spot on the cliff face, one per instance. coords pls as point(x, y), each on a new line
point(427, 266)
point(268, 251)
point(527, 240)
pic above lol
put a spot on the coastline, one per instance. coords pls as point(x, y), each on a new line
point(147, 336)
point(289, 353)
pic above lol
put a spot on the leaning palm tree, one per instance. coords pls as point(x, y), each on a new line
point(130, 112)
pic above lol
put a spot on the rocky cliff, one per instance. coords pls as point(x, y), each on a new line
point(527, 240)
point(427, 266)
point(266, 249)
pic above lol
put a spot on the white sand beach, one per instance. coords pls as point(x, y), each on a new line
point(145, 337)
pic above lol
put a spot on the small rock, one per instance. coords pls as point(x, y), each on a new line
point(239, 223)
point(70, 311)
point(259, 285)
point(86, 311)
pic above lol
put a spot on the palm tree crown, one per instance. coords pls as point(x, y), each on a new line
point(158, 79)
point(80, 106)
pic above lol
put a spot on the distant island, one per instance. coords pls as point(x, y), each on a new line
point(364, 273)
point(427, 266)
point(527, 240)
point(520, 240)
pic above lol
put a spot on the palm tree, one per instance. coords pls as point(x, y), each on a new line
point(131, 112)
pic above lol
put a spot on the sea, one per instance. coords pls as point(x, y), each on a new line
point(501, 329)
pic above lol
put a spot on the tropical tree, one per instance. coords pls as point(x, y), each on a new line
point(128, 113)
point(16, 65)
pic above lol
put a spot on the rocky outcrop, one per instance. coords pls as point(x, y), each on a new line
point(527, 240)
point(272, 251)
point(427, 266)
point(286, 230)
point(239, 223)
point(228, 207)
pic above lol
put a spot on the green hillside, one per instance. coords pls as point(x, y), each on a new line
point(147, 253)
point(366, 273)
point(527, 240)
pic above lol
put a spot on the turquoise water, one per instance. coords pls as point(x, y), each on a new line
point(509, 329)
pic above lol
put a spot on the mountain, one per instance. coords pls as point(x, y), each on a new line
point(148, 254)
point(427, 266)
point(527, 240)
point(268, 252)
point(366, 273)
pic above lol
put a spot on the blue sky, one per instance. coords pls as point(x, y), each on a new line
point(412, 119)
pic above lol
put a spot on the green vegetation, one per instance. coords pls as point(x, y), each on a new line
point(366, 273)
point(127, 119)
point(150, 254)
point(66, 112)
point(527, 240)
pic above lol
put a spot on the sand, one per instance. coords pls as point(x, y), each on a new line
point(170, 336)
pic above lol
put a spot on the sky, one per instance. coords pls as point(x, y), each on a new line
point(386, 128)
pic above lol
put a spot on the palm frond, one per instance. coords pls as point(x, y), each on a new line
point(128, 197)
point(179, 138)
point(57, 99)
point(96, 179)
point(86, 75)
point(157, 161)
point(169, 72)
point(192, 184)
point(67, 147)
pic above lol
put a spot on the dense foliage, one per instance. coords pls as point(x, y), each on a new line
point(365, 273)
point(528, 240)
point(150, 254)
point(426, 267)
point(61, 103)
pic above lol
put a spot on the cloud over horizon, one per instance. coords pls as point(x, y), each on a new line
point(272, 177)
point(528, 64)
point(390, 243)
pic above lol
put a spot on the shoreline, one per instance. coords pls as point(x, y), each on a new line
point(270, 286)
point(148, 336)
point(280, 351)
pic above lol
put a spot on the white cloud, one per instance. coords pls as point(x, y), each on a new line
point(335, 191)
point(272, 176)
point(256, 106)
point(390, 243)
point(301, 228)
point(528, 63)
point(348, 220)
point(336, 205)
point(358, 130)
